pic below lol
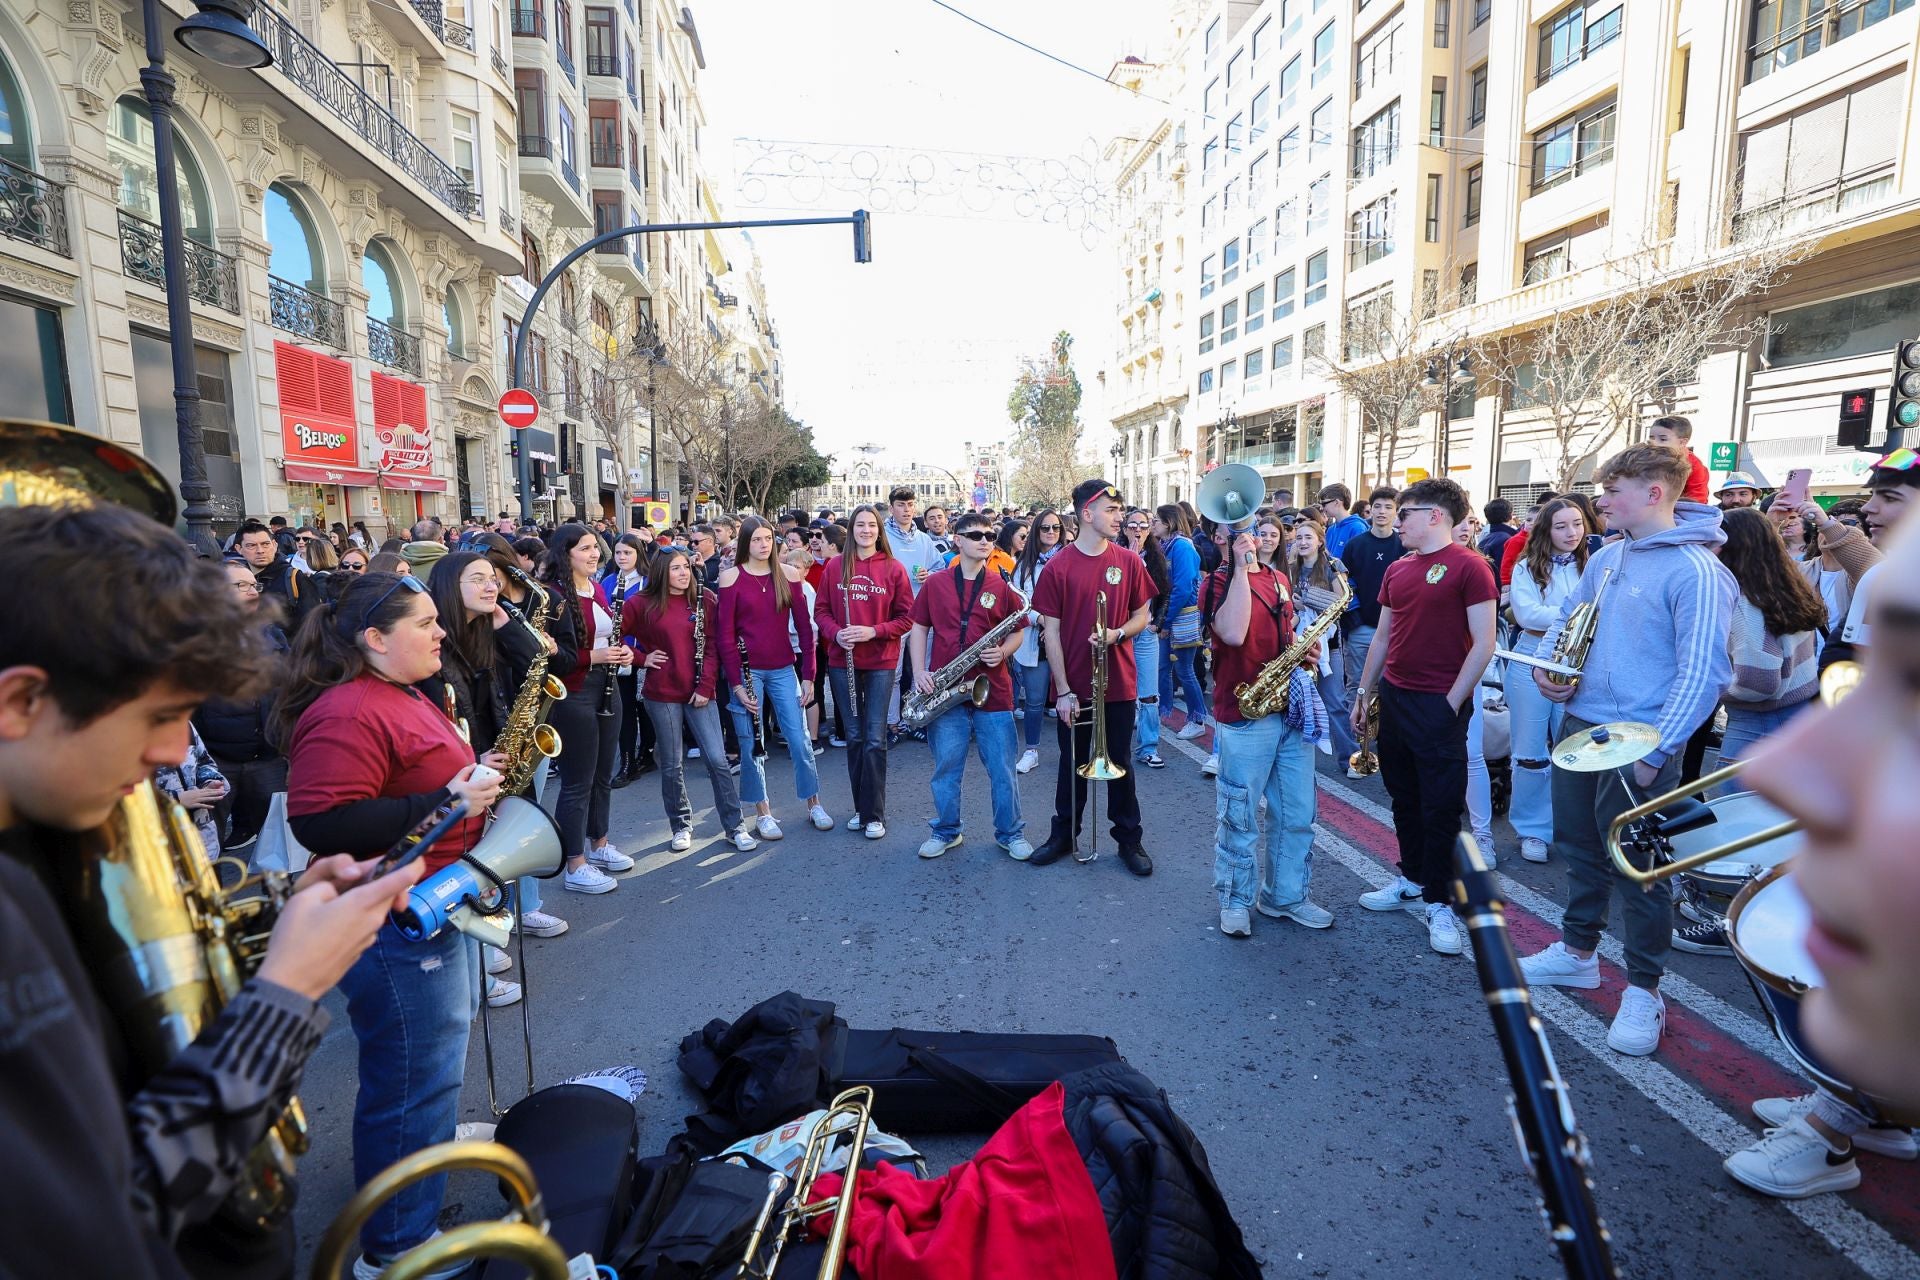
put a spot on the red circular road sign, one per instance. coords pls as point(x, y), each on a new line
point(519, 408)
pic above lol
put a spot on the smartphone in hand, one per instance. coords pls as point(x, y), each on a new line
point(416, 842)
point(1793, 494)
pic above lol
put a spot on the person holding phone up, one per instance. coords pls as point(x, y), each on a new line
point(368, 757)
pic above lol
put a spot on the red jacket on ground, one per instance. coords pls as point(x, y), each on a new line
point(880, 596)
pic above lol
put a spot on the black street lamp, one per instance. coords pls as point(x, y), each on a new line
point(647, 338)
point(220, 34)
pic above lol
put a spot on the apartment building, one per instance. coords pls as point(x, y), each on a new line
point(347, 217)
point(1478, 165)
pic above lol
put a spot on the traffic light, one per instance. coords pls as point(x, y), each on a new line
point(1903, 409)
point(1856, 418)
point(862, 236)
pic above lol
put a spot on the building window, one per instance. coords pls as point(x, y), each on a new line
point(1262, 43)
point(1316, 279)
point(1320, 130)
point(1323, 54)
point(1547, 258)
point(1290, 83)
point(1286, 226)
point(563, 136)
point(1259, 177)
point(1256, 244)
point(1573, 145)
point(1236, 132)
point(603, 57)
point(609, 212)
point(1857, 325)
point(1227, 370)
point(1477, 97)
point(1281, 359)
point(1209, 157)
point(1569, 37)
point(1784, 32)
point(1319, 203)
point(1376, 141)
point(1207, 98)
point(33, 361)
point(1482, 10)
point(1230, 196)
point(1210, 212)
point(1236, 67)
point(1474, 176)
point(1828, 158)
point(1256, 308)
point(1255, 362)
point(1370, 232)
point(1432, 229)
point(603, 133)
point(1229, 322)
point(1283, 295)
point(465, 132)
point(1211, 42)
point(1374, 66)
point(1442, 22)
point(1289, 149)
point(1469, 284)
point(1229, 262)
point(1437, 113)
point(1206, 380)
point(1313, 343)
point(1206, 275)
point(1260, 114)
point(1369, 324)
point(1206, 333)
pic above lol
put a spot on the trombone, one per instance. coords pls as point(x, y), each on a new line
point(1100, 766)
point(849, 1115)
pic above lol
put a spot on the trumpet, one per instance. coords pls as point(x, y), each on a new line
point(1366, 761)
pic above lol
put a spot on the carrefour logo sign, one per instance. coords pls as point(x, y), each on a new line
point(317, 438)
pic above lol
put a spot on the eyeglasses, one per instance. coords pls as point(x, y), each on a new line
point(975, 535)
point(1404, 512)
point(1049, 528)
point(248, 588)
point(304, 541)
point(472, 580)
point(405, 580)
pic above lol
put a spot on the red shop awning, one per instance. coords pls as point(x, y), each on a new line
point(315, 474)
point(420, 484)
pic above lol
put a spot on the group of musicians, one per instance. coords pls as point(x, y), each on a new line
point(127, 1172)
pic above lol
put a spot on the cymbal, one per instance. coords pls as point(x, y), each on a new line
point(1606, 746)
point(44, 464)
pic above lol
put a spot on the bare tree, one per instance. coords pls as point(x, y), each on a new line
point(1044, 405)
point(685, 382)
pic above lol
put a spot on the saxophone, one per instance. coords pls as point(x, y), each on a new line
point(1266, 693)
point(949, 686)
point(527, 738)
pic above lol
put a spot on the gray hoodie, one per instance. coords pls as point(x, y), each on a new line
point(1659, 652)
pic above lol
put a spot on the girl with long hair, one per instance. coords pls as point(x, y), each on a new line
point(1172, 528)
point(588, 718)
point(758, 599)
point(682, 665)
point(1550, 567)
point(1774, 641)
point(621, 581)
point(1315, 578)
point(1008, 542)
point(1136, 534)
point(865, 607)
point(1030, 660)
point(369, 756)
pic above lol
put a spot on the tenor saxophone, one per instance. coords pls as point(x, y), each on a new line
point(1267, 693)
point(526, 738)
point(949, 688)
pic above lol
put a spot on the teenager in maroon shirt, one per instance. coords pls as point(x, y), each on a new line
point(1436, 636)
point(680, 659)
point(758, 597)
point(958, 606)
point(864, 605)
point(1067, 598)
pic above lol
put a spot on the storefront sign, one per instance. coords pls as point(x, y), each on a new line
point(317, 423)
point(1725, 455)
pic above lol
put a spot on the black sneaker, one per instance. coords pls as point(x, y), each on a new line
point(1052, 851)
point(1136, 860)
point(1707, 939)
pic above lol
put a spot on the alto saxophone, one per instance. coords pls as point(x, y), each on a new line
point(1267, 692)
point(949, 689)
point(526, 738)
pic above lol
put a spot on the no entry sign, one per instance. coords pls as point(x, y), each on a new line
point(519, 408)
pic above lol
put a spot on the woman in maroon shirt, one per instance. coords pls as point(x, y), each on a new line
point(757, 598)
point(864, 606)
point(681, 663)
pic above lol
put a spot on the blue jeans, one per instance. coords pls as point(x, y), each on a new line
point(1333, 692)
point(1535, 725)
point(1479, 781)
point(1745, 729)
point(778, 692)
point(1146, 724)
point(1353, 649)
point(1035, 683)
point(412, 1005)
point(1182, 663)
point(992, 734)
point(1263, 757)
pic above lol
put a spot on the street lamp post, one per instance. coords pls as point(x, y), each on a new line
point(1460, 363)
point(648, 340)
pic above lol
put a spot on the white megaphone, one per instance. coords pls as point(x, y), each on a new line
point(522, 840)
point(1230, 495)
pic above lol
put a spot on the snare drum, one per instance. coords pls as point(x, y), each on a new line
point(1734, 816)
point(1767, 929)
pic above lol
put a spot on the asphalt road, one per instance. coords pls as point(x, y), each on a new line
point(1346, 1083)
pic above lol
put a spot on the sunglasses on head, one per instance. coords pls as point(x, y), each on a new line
point(406, 581)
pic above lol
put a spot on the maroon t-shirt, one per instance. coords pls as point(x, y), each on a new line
point(1430, 596)
point(1235, 664)
point(1068, 589)
point(941, 607)
point(671, 632)
point(880, 596)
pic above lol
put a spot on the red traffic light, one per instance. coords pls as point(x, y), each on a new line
point(1858, 404)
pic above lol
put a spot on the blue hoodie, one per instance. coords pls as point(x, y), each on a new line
point(1659, 652)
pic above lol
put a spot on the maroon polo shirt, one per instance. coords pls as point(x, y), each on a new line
point(942, 607)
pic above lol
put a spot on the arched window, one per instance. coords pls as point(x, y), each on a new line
point(456, 320)
point(297, 257)
point(130, 148)
point(16, 127)
point(381, 280)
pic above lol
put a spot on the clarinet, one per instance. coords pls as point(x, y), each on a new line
point(746, 676)
point(699, 637)
point(1541, 1108)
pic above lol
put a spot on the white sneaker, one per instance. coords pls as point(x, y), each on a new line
point(766, 828)
point(1636, 1028)
point(498, 961)
point(876, 831)
point(609, 858)
point(474, 1131)
point(1211, 769)
point(501, 993)
point(1019, 848)
point(365, 1268)
point(934, 846)
point(1485, 840)
point(588, 878)
point(1443, 929)
point(1356, 775)
point(1235, 923)
point(743, 841)
point(539, 924)
point(1533, 848)
point(693, 753)
point(854, 823)
point(1029, 761)
point(1886, 1140)
point(1191, 730)
point(1792, 1162)
point(1559, 967)
point(823, 821)
point(1401, 894)
point(681, 842)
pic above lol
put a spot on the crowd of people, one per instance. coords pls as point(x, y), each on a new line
point(329, 693)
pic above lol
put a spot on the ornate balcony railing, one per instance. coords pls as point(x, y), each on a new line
point(639, 183)
point(500, 66)
point(535, 144)
point(507, 223)
point(306, 313)
point(301, 61)
point(640, 260)
point(605, 157)
point(458, 35)
point(212, 276)
point(572, 175)
point(33, 209)
point(565, 59)
point(433, 15)
point(393, 348)
point(604, 64)
point(530, 22)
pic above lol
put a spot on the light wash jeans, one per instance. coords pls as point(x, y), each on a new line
point(1536, 727)
point(1745, 730)
point(1037, 687)
point(1479, 781)
point(673, 724)
point(1146, 724)
point(1353, 650)
point(412, 1005)
point(778, 692)
point(992, 734)
point(1181, 662)
point(1258, 758)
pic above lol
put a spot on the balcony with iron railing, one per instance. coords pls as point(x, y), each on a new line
point(394, 348)
point(604, 64)
point(546, 173)
point(306, 314)
point(639, 183)
point(507, 224)
point(603, 156)
point(530, 23)
point(564, 56)
point(212, 276)
point(302, 62)
point(458, 35)
point(571, 174)
point(33, 209)
point(433, 14)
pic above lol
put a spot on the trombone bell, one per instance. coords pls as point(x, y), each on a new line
point(1637, 828)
